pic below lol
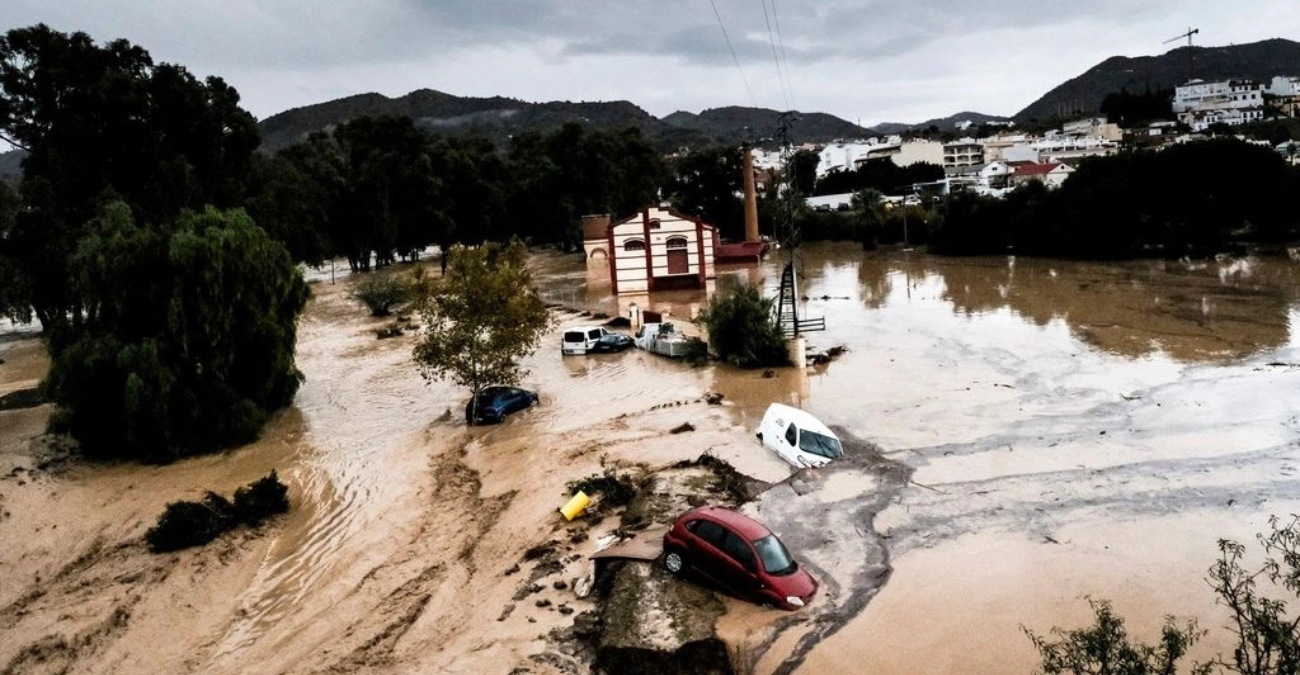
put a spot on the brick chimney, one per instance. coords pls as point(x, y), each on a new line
point(751, 197)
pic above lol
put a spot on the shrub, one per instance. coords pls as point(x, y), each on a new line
point(743, 329)
point(381, 294)
point(184, 524)
point(261, 499)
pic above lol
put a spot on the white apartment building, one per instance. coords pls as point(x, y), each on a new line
point(1224, 94)
point(917, 151)
point(1200, 104)
point(963, 156)
point(1200, 120)
point(847, 156)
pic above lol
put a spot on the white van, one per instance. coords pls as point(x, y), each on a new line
point(578, 339)
point(798, 437)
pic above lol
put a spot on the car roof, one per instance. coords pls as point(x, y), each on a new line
point(735, 521)
point(799, 417)
point(581, 328)
point(492, 388)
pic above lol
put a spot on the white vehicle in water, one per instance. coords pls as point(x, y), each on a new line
point(663, 339)
point(798, 438)
point(581, 339)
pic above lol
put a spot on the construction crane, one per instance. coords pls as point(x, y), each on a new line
point(1190, 32)
point(1191, 56)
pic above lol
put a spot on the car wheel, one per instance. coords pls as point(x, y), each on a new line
point(674, 561)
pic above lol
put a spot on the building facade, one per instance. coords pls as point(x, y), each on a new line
point(660, 249)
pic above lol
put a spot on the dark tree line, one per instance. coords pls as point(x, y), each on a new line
point(1127, 109)
point(1192, 199)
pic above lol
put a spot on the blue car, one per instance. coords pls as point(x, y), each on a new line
point(497, 401)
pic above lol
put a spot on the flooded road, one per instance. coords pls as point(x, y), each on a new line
point(1074, 429)
point(1025, 433)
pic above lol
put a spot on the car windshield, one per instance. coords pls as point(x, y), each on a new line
point(574, 336)
point(776, 560)
point(817, 444)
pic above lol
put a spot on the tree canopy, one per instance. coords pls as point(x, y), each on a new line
point(105, 123)
point(188, 337)
point(481, 318)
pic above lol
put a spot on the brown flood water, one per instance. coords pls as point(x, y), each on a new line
point(1025, 433)
point(1073, 429)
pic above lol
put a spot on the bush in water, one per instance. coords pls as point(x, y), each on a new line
point(184, 524)
point(261, 499)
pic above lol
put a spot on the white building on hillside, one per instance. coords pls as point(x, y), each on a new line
point(1221, 95)
point(917, 151)
point(847, 156)
point(964, 156)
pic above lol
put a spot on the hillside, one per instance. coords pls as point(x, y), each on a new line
point(736, 123)
point(1083, 94)
point(496, 118)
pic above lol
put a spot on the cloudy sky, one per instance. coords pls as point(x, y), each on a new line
point(863, 60)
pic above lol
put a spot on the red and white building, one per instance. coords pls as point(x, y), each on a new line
point(657, 249)
point(1051, 174)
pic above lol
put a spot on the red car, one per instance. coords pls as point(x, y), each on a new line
point(739, 554)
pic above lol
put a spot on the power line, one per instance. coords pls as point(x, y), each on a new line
point(776, 19)
point(771, 40)
point(744, 79)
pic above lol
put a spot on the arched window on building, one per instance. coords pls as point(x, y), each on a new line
point(676, 242)
point(634, 245)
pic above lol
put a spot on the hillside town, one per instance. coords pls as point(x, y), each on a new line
point(1008, 157)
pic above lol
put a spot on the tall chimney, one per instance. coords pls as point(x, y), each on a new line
point(751, 198)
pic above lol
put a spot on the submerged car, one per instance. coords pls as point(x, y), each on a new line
point(611, 342)
point(798, 438)
point(738, 553)
point(492, 404)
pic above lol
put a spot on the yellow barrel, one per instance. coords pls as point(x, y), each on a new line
point(576, 506)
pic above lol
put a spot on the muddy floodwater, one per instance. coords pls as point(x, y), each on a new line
point(1073, 429)
point(1023, 434)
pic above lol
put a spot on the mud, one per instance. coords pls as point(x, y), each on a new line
point(983, 494)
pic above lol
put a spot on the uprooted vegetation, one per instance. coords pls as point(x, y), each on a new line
point(613, 489)
point(188, 523)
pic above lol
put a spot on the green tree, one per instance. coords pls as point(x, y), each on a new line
point(708, 183)
point(1104, 648)
point(188, 336)
point(803, 164)
point(1266, 633)
point(481, 318)
point(106, 123)
point(13, 298)
point(743, 329)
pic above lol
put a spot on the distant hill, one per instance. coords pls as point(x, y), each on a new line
point(736, 124)
point(948, 123)
point(1083, 94)
point(498, 118)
